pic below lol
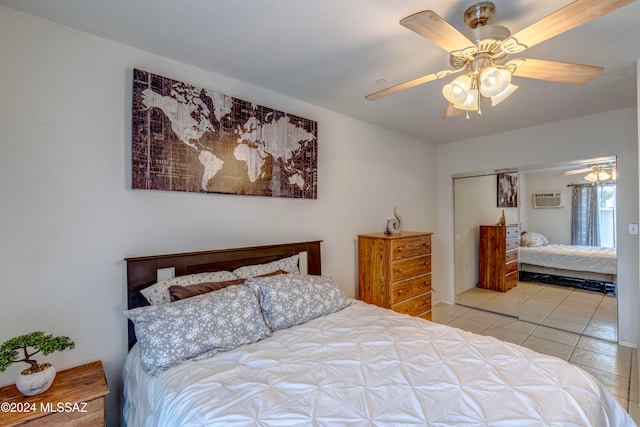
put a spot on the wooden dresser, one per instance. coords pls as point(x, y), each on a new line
point(394, 271)
point(498, 257)
point(76, 398)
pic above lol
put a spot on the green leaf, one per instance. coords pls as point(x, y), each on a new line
point(17, 349)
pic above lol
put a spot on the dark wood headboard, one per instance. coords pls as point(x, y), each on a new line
point(142, 271)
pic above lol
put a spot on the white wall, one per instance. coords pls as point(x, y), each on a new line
point(554, 223)
point(68, 217)
point(606, 134)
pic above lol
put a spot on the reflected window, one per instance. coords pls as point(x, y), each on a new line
point(593, 218)
point(607, 214)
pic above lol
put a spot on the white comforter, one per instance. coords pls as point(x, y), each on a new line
point(578, 258)
point(367, 366)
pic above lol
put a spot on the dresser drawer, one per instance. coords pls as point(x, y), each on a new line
point(512, 244)
point(410, 247)
point(406, 289)
point(512, 232)
point(410, 267)
point(414, 306)
point(511, 267)
point(511, 256)
point(511, 280)
point(426, 316)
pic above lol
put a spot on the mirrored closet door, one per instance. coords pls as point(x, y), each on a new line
point(568, 260)
point(565, 215)
point(486, 252)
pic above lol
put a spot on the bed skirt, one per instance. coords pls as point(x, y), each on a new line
point(605, 287)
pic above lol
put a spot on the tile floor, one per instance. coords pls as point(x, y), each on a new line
point(575, 310)
point(616, 366)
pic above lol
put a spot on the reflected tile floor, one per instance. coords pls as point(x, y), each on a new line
point(583, 312)
point(616, 366)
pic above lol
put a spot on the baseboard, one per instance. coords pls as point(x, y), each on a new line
point(628, 344)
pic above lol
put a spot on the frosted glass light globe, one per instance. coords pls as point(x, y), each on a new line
point(470, 102)
point(456, 91)
point(494, 81)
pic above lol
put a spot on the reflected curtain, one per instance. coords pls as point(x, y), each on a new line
point(584, 216)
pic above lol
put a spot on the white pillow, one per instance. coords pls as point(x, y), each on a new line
point(288, 265)
point(158, 293)
point(531, 239)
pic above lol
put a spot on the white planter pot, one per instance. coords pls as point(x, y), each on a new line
point(39, 382)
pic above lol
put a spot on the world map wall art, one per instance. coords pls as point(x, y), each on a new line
point(187, 138)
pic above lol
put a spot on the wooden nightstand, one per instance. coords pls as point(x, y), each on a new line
point(76, 398)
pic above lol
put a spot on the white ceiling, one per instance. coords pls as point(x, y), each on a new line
point(331, 53)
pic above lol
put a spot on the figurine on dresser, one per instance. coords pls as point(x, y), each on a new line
point(394, 226)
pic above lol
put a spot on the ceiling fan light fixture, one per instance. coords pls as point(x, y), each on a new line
point(494, 81)
point(456, 91)
point(598, 176)
point(496, 99)
point(470, 103)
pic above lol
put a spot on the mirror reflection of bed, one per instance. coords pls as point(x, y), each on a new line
point(566, 256)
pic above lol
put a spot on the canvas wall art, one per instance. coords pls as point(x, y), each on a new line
point(507, 190)
point(186, 138)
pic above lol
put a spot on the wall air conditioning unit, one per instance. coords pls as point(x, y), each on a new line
point(547, 200)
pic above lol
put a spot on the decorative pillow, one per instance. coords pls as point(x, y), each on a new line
point(532, 240)
point(288, 265)
point(293, 299)
point(182, 292)
point(197, 327)
point(159, 293)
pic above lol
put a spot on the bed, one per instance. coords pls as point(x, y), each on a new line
point(358, 365)
point(587, 267)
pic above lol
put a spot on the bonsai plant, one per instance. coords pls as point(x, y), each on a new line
point(37, 378)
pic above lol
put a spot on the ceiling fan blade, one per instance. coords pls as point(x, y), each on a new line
point(554, 71)
point(570, 16)
point(406, 85)
point(431, 26)
point(451, 111)
point(576, 171)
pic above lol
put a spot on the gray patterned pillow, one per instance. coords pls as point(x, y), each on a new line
point(288, 265)
point(198, 327)
point(293, 299)
point(158, 293)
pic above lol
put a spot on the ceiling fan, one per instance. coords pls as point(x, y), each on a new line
point(481, 54)
point(598, 172)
